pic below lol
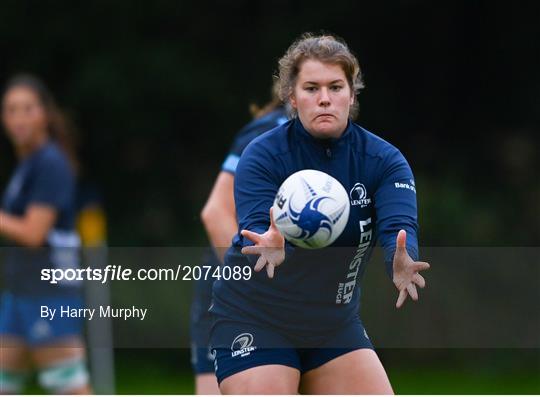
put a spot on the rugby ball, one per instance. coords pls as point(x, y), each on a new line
point(311, 209)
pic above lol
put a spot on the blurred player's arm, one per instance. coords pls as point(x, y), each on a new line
point(219, 214)
point(50, 192)
point(31, 229)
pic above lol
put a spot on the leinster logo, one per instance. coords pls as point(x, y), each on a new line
point(241, 345)
point(358, 195)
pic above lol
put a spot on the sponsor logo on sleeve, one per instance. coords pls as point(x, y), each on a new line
point(411, 186)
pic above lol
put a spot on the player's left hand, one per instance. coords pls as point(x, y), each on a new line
point(270, 246)
point(406, 271)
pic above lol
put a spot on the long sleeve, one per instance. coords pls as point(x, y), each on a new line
point(255, 186)
point(395, 206)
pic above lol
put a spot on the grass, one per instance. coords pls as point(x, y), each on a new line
point(167, 372)
point(456, 381)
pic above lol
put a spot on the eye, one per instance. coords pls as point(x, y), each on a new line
point(310, 88)
point(11, 110)
point(336, 87)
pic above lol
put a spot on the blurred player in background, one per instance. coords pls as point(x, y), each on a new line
point(298, 327)
point(38, 221)
point(219, 219)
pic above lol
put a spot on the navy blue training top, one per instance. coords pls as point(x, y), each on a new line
point(44, 177)
point(315, 290)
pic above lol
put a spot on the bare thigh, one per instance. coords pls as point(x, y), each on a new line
point(264, 379)
point(13, 353)
point(206, 384)
point(357, 372)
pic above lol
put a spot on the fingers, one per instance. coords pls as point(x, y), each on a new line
point(411, 289)
point(401, 298)
point(255, 237)
point(401, 239)
point(419, 266)
point(270, 270)
point(260, 263)
point(272, 223)
point(251, 250)
point(419, 280)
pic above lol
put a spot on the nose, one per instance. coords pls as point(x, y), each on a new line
point(19, 119)
point(324, 98)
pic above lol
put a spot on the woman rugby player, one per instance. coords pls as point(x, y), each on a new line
point(37, 220)
point(298, 327)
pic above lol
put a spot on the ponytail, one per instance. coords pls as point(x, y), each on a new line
point(260, 111)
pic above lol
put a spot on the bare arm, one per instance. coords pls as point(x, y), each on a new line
point(219, 214)
point(31, 229)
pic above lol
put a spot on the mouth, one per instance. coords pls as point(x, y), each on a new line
point(324, 115)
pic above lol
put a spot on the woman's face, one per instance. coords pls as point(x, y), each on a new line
point(322, 97)
point(23, 115)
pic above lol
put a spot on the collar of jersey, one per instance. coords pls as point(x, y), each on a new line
point(303, 134)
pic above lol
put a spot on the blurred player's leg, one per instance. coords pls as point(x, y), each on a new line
point(357, 372)
point(13, 364)
point(202, 359)
point(62, 367)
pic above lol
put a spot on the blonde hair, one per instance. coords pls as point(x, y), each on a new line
point(326, 49)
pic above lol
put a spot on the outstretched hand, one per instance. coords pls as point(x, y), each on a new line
point(270, 246)
point(406, 271)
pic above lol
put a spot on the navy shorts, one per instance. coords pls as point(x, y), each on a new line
point(21, 316)
point(240, 346)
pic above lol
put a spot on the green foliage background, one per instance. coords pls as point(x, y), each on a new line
point(158, 89)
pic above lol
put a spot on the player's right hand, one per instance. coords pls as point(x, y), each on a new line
point(270, 246)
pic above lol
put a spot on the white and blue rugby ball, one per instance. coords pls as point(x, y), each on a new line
point(311, 209)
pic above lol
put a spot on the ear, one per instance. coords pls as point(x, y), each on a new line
point(292, 100)
point(352, 100)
